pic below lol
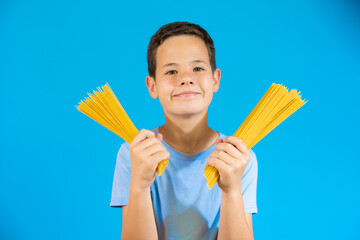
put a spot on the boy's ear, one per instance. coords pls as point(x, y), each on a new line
point(216, 78)
point(151, 85)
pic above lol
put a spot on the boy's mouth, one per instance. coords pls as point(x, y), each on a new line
point(187, 94)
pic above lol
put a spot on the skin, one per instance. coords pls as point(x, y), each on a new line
point(186, 127)
point(183, 65)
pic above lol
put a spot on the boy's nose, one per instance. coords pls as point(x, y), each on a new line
point(186, 79)
point(186, 82)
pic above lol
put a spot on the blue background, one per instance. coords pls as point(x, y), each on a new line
point(57, 165)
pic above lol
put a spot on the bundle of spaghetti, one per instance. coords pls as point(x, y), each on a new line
point(105, 108)
point(273, 108)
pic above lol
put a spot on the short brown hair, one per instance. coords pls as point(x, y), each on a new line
point(174, 29)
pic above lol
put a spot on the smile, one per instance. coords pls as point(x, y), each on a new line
point(187, 95)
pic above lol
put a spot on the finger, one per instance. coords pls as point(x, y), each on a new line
point(238, 143)
point(159, 156)
point(219, 140)
point(220, 165)
point(145, 144)
point(154, 148)
point(223, 156)
point(142, 134)
point(229, 149)
point(159, 136)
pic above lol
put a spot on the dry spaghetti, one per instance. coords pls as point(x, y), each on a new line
point(273, 108)
point(105, 108)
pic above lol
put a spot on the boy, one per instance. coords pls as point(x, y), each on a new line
point(178, 204)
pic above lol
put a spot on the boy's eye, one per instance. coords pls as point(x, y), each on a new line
point(198, 69)
point(171, 72)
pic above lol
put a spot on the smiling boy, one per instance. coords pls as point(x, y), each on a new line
point(178, 204)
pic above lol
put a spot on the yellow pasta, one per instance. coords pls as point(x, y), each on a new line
point(105, 108)
point(273, 108)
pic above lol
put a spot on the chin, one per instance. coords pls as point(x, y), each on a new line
point(189, 111)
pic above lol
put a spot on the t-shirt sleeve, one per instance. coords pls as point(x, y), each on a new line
point(249, 183)
point(122, 177)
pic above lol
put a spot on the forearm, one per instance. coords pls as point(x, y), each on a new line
point(139, 221)
point(233, 223)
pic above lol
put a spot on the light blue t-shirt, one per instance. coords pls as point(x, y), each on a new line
point(184, 206)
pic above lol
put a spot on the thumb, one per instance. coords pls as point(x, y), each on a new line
point(159, 136)
point(219, 140)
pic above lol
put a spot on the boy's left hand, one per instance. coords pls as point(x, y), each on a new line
point(230, 159)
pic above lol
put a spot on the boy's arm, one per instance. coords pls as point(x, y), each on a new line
point(138, 216)
point(231, 158)
point(233, 220)
point(249, 221)
point(146, 152)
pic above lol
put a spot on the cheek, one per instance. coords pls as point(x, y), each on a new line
point(164, 93)
point(209, 97)
point(208, 90)
point(208, 87)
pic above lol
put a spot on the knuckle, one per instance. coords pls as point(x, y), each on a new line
point(213, 162)
point(238, 139)
point(222, 154)
point(228, 147)
point(155, 157)
point(238, 165)
point(159, 156)
point(232, 138)
point(144, 131)
point(160, 147)
point(154, 147)
point(133, 148)
point(246, 146)
point(244, 162)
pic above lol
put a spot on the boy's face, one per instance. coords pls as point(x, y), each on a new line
point(183, 66)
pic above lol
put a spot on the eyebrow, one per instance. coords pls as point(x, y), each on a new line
point(172, 64)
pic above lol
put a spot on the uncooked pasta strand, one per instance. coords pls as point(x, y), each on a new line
point(274, 107)
point(104, 108)
point(281, 116)
point(279, 100)
point(92, 112)
point(264, 110)
point(257, 108)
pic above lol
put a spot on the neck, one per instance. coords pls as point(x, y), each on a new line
point(188, 135)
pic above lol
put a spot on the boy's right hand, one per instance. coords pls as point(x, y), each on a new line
point(146, 152)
